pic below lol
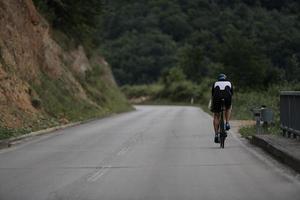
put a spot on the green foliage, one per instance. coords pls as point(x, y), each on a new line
point(103, 92)
point(176, 87)
point(172, 75)
point(182, 91)
point(293, 69)
point(249, 40)
point(77, 19)
point(136, 91)
point(178, 92)
point(10, 132)
point(205, 91)
point(191, 61)
point(249, 131)
point(64, 41)
point(244, 101)
point(138, 57)
point(59, 100)
point(243, 62)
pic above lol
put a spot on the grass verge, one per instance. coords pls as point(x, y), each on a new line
point(6, 133)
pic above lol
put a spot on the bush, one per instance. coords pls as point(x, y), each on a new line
point(11, 132)
point(172, 75)
point(136, 91)
point(180, 91)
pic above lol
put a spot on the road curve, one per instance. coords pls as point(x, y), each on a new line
point(153, 153)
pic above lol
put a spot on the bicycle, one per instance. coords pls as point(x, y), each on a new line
point(223, 133)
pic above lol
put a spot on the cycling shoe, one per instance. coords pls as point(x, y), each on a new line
point(227, 126)
point(217, 138)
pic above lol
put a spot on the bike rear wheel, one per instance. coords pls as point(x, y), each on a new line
point(222, 142)
point(222, 132)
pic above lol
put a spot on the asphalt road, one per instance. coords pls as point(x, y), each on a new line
point(154, 153)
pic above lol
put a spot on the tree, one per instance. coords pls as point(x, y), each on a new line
point(243, 61)
point(76, 18)
point(140, 58)
point(173, 75)
point(293, 69)
point(190, 60)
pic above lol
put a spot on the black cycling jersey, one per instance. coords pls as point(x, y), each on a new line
point(221, 90)
point(222, 85)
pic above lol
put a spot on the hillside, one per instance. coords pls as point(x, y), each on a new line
point(43, 84)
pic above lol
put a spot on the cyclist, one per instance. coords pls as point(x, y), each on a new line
point(221, 89)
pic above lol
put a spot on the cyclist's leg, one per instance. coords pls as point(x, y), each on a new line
point(227, 111)
point(216, 108)
point(216, 122)
point(227, 115)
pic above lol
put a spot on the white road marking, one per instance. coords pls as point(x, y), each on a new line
point(122, 151)
point(98, 174)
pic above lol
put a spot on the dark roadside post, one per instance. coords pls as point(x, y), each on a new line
point(267, 117)
point(256, 114)
point(264, 117)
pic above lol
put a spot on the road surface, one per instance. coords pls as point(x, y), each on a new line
point(154, 153)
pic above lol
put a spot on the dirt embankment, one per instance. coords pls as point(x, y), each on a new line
point(28, 56)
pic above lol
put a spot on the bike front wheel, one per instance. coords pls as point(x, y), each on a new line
point(222, 142)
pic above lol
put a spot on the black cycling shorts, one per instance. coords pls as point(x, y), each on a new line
point(217, 102)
